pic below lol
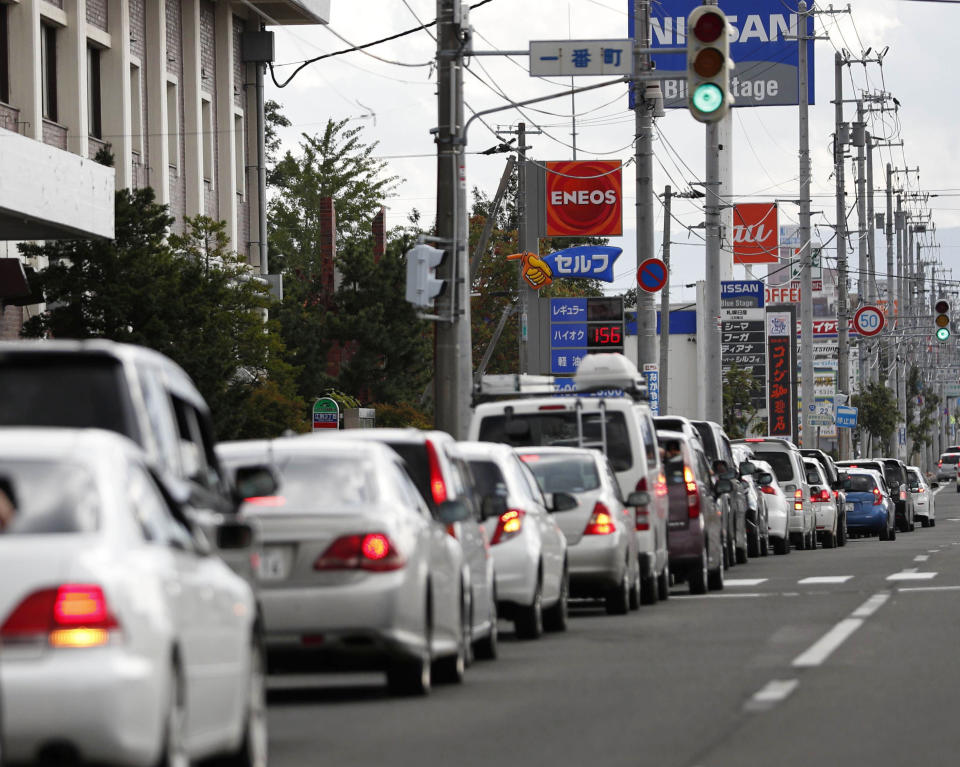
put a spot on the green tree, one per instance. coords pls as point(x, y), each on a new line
point(877, 411)
point(740, 390)
point(922, 410)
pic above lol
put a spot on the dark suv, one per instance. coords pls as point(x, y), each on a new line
point(894, 472)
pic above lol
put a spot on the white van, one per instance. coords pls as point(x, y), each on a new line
point(619, 424)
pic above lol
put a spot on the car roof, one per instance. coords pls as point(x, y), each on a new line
point(301, 444)
point(477, 449)
point(547, 449)
point(59, 443)
point(528, 405)
point(409, 435)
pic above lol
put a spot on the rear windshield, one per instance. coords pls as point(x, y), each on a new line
point(780, 463)
point(319, 483)
point(709, 443)
point(418, 468)
point(893, 472)
point(44, 497)
point(861, 483)
point(566, 474)
point(489, 478)
point(949, 457)
point(673, 469)
point(64, 390)
point(913, 477)
point(559, 428)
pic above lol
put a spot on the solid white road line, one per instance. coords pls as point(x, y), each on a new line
point(869, 607)
point(774, 692)
point(742, 595)
point(911, 575)
point(921, 558)
point(744, 581)
point(820, 650)
point(929, 588)
point(825, 579)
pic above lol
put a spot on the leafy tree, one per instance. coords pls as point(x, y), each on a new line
point(922, 408)
point(740, 391)
point(401, 416)
point(877, 411)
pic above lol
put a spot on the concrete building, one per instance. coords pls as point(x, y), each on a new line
point(169, 87)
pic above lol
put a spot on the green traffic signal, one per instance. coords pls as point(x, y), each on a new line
point(943, 334)
point(708, 98)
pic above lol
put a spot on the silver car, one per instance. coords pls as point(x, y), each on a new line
point(355, 572)
point(601, 545)
point(924, 502)
point(529, 549)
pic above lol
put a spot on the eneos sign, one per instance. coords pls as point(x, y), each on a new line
point(755, 233)
point(584, 197)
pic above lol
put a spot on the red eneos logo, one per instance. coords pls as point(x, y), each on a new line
point(755, 233)
point(584, 197)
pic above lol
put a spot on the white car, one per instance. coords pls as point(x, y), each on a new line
point(356, 573)
point(824, 502)
point(124, 640)
point(528, 546)
point(924, 501)
point(778, 514)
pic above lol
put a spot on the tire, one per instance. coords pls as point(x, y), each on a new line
point(765, 544)
point(797, 541)
point(253, 748)
point(781, 546)
point(715, 579)
point(617, 601)
point(663, 583)
point(697, 577)
point(635, 590)
point(753, 544)
point(555, 616)
point(486, 648)
point(842, 533)
point(648, 591)
point(731, 553)
point(884, 534)
point(529, 620)
point(742, 556)
point(812, 541)
point(933, 522)
point(829, 540)
point(410, 676)
point(893, 533)
point(924, 522)
point(451, 669)
point(174, 753)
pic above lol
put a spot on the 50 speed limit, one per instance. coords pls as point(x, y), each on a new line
point(868, 321)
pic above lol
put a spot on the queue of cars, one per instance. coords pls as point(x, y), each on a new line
point(141, 562)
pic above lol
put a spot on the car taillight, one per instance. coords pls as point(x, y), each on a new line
point(508, 526)
point(601, 521)
point(661, 490)
point(836, 495)
point(693, 494)
point(939, 464)
point(768, 489)
point(903, 495)
point(798, 499)
point(822, 497)
point(373, 551)
point(73, 615)
point(438, 488)
point(877, 497)
point(643, 512)
point(266, 500)
point(920, 489)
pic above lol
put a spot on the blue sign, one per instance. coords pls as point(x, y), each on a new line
point(568, 310)
point(592, 262)
point(749, 290)
point(766, 58)
point(566, 361)
point(846, 416)
point(566, 336)
point(652, 374)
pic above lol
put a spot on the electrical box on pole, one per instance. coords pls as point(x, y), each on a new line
point(941, 319)
point(708, 64)
point(423, 286)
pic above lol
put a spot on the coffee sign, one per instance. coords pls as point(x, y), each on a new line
point(584, 198)
point(755, 233)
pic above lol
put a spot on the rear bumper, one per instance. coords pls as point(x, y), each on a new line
point(873, 520)
point(686, 548)
point(596, 562)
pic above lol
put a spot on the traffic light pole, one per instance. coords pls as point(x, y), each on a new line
point(713, 372)
point(665, 308)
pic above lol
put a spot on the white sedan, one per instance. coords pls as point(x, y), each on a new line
point(924, 500)
point(124, 640)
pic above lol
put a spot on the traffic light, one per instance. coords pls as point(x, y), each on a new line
point(708, 64)
point(941, 319)
point(422, 283)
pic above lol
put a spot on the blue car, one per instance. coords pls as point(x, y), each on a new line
point(870, 509)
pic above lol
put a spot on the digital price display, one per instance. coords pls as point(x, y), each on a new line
point(602, 335)
point(605, 324)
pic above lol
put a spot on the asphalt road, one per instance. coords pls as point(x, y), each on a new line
point(857, 669)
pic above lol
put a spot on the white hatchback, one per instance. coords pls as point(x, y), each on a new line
point(924, 499)
point(124, 640)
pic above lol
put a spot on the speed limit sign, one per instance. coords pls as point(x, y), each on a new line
point(868, 321)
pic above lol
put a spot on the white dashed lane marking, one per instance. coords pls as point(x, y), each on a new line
point(774, 692)
point(911, 575)
point(824, 579)
point(744, 581)
point(921, 558)
point(824, 647)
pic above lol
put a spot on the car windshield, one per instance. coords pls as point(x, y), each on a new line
point(564, 474)
point(45, 497)
point(559, 428)
point(861, 483)
point(949, 457)
point(319, 483)
point(489, 478)
point(780, 463)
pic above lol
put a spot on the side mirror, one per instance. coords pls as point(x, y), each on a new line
point(765, 478)
point(453, 511)
point(894, 485)
point(914, 488)
point(638, 498)
point(254, 481)
point(561, 502)
point(747, 468)
point(934, 485)
point(234, 535)
point(722, 485)
point(492, 506)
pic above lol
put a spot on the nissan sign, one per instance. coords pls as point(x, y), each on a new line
point(584, 198)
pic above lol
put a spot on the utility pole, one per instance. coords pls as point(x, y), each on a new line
point(806, 283)
point(523, 234)
point(712, 375)
point(891, 288)
point(453, 355)
point(843, 355)
point(863, 227)
point(665, 307)
point(643, 124)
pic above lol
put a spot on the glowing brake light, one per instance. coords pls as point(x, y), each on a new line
point(508, 526)
point(266, 500)
point(903, 495)
point(72, 615)
point(822, 497)
point(877, 497)
point(643, 512)
point(438, 488)
point(661, 489)
point(920, 489)
point(530, 458)
point(374, 552)
point(798, 499)
point(601, 521)
point(768, 489)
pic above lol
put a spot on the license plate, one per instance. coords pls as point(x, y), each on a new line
point(274, 563)
point(849, 507)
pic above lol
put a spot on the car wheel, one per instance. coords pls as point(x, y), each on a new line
point(781, 545)
point(486, 647)
point(765, 543)
point(555, 616)
point(617, 601)
point(529, 620)
point(715, 579)
point(413, 676)
point(731, 552)
point(797, 541)
point(174, 752)
point(635, 590)
point(742, 556)
point(253, 748)
point(753, 544)
point(829, 539)
point(697, 576)
point(842, 533)
point(933, 522)
point(648, 590)
point(924, 522)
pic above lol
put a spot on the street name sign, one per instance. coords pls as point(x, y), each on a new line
point(553, 58)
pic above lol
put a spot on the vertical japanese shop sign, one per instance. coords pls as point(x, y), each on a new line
point(781, 362)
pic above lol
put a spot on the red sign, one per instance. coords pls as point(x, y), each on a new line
point(584, 197)
point(652, 275)
point(781, 413)
point(755, 233)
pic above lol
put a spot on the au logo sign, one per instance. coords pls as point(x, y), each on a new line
point(584, 197)
point(755, 233)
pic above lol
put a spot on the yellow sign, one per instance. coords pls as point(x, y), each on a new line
point(534, 269)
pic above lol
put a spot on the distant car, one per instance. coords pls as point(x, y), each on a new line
point(696, 527)
point(894, 472)
point(529, 549)
point(832, 474)
point(600, 531)
point(124, 641)
point(947, 467)
point(924, 501)
point(355, 572)
point(758, 537)
point(824, 504)
point(870, 509)
point(779, 507)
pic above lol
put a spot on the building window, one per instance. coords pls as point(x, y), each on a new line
point(48, 65)
point(94, 123)
point(4, 57)
point(206, 125)
point(239, 149)
point(173, 125)
point(136, 109)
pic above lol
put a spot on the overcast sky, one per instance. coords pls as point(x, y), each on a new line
point(397, 106)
